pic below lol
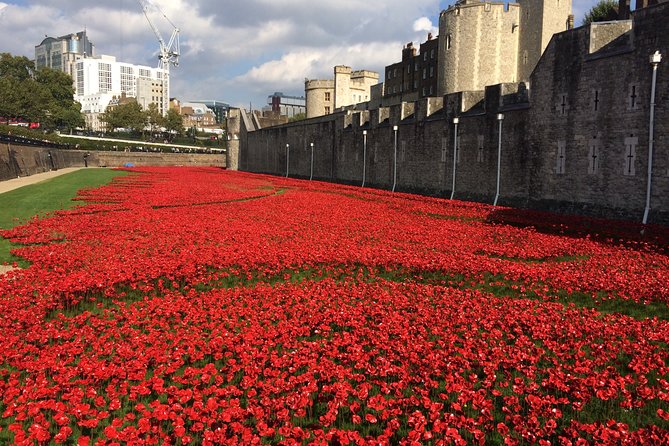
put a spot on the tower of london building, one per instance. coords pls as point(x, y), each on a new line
point(487, 43)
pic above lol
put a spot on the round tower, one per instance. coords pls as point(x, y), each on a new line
point(478, 45)
point(319, 96)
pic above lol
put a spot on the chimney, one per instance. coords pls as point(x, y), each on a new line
point(570, 21)
point(623, 9)
point(429, 36)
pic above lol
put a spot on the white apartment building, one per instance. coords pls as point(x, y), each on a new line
point(99, 79)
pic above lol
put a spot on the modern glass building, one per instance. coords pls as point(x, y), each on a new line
point(62, 53)
point(219, 108)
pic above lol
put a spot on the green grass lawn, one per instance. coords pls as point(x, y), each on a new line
point(19, 205)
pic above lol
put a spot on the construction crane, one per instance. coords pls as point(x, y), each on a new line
point(168, 52)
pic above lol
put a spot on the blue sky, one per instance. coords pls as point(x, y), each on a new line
point(238, 52)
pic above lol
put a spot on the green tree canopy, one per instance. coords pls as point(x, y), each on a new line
point(174, 122)
point(297, 117)
point(44, 95)
point(16, 67)
point(128, 115)
point(603, 11)
point(153, 117)
point(64, 111)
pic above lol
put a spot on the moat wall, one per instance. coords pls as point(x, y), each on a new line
point(20, 160)
point(577, 141)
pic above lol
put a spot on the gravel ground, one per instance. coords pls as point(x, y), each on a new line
point(15, 183)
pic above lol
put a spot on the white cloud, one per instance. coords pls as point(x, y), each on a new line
point(232, 51)
point(292, 68)
point(424, 24)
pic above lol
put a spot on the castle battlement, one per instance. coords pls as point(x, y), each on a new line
point(364, 74)
point(465, 5)
point(347, 88)
point(318, 83)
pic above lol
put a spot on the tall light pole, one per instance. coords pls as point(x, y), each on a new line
point(287, 158)
point(395, 159)
point(364, 156)
point(456, 121)
point(311, 175)
point(500, 118)
point(655, 60)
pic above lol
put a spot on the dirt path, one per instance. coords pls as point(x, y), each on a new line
point(8, 185)
point(5, 268)
point(15, 183)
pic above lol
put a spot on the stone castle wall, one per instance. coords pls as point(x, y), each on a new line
point(591, 96)
point(577, 143)
point(424, 153)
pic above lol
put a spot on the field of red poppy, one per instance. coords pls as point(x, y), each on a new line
point(201, 306)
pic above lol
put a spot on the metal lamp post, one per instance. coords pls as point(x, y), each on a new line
point(311, 174)
point(456, 121)
point(364, 156)
point(395, 159)
point(287, 158)
point(655, 60)
point(500, 118)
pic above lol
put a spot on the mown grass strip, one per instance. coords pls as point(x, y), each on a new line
point(496, 285)
point(19, 205)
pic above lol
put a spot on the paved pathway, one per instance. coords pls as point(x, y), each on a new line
point(7, 185)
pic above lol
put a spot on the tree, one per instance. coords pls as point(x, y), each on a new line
point(45, 95)
point(128, 115)
point(153, 117)
point(22, 97)
point(70, 118)
point(64, 112)
point(603, 11)
point(174, 123)
point(16, 67)
point(111, 118)
point(297, 117)
point(60, 84)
